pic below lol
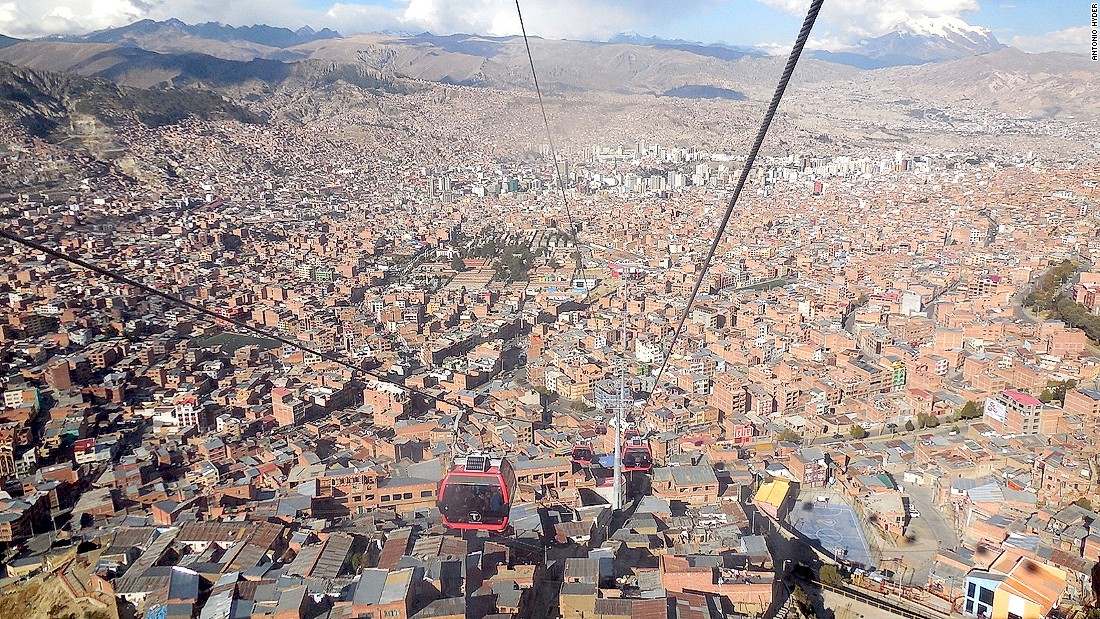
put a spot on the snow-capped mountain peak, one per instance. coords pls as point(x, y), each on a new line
point(930, 39)
point(945, 27)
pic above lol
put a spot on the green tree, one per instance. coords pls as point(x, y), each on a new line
point(830, 575)
point(800, 596)
point(804, 606)
point(857, 432)
point(970, 410)
point(1046, 296)
point(1083, 502)
point(909, 427)
point(458, 264)
point(1059, 388)
point(1046, 396)
point(927, 421)
point(789, 435)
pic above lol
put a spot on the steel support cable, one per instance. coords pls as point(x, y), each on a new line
point(788, 70)
point(579, 267)
point(119, 277)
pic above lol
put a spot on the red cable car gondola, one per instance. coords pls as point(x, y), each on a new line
point(637, 456)
point(582, 454)
point(476, 494)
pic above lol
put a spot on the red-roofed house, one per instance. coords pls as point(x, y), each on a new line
point(1014, 412)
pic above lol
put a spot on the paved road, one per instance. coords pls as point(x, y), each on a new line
point(1021, 312)
point(941, 527)
point(879, 434)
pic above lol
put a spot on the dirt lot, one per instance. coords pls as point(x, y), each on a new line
point(44, 597)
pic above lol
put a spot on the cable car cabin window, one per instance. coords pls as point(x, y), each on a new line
point(509, 480)
point(473, 502)
point(638, 456)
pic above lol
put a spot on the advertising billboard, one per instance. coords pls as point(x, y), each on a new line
point(995, 410)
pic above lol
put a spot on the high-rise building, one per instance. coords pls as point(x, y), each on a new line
point(286, 407)
point(1014, 412)
point(187, 412)
point(57, 375)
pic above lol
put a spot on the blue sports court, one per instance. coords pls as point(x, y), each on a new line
point(834, 527)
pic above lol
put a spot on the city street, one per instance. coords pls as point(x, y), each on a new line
point(880, 433)
point(939, 524)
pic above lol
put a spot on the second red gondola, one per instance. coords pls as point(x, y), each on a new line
point(582, 454)
point(637, 456)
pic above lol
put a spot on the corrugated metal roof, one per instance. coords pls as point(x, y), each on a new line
point(183, 585)
point(290, 601)
point(302, 565)
point(445, 607)
point(693, 475)
point(582, 570)
point(332, 557)
point(397, 586)
point(369, 588)
point(986, 493)
point(396, 543)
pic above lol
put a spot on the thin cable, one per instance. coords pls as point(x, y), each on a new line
point(84, 264)
point(792, 61)
point(553, 153)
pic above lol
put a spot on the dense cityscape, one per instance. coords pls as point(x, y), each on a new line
point(884, 399)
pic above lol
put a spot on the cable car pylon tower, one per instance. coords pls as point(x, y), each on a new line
point(620, 415)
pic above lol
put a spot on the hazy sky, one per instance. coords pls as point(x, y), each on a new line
point(1032, 25)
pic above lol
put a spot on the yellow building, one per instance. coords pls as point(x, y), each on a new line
point(1029, 591)
point(1016, 586)
point(772, 496)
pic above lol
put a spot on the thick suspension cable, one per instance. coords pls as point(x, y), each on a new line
point(788, 70)
point(151, 290)
point(573, 233)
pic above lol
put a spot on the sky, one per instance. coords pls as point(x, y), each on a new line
point(1031, 25)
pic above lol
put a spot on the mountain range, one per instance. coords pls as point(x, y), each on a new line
point(172, 53)
point(911, 42)
point(953, 64)
point(42, 101)
point(212, 38)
